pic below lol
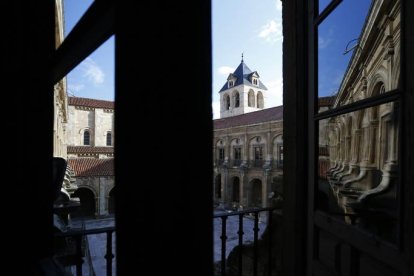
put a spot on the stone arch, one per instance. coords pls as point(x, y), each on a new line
point(236, 97)
point(236, 152)
point(257, 149)
point(251, 98)
point(226, 101)
point(82, 133)
point(88, 200)
point(255, 191)
point(380, 76)
point(260, 100)
point(278, 150)
point(235, 189)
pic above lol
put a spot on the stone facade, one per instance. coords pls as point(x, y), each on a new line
point(94, 116)
point(90, 152)
point(247, 145)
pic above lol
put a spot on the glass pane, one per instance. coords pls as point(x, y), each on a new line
point(358, 164)
point(358, 52)
point(323, 4)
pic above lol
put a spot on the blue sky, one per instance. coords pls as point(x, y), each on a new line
point(253, 28)
point(337, 31)
point(94, 77)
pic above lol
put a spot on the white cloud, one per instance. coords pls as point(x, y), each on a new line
point(279, 5)
point(324, 42)
point(216, 109)
point(274, 93)
point(93, 72)
point(75, 87)
point(271, 31)
point(225, 70)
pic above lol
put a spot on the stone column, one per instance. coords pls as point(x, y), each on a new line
point(103, 210)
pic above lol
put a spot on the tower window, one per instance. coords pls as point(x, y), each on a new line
point(86, 138)
point(109, 138)
point(231, 83)
point(227, 102)
point(237, 100)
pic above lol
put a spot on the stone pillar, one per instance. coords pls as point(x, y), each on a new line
point(224, 187)
point(103, 210)
point(266, 187)
point(241, 190)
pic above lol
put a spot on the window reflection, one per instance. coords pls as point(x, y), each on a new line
point(358, 161)
point(354, 55)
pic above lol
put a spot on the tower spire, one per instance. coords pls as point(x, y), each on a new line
point(242, 58)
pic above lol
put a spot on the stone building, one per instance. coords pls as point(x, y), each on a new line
point(248, 143)
point(90, 153)
point(60, 112)
point(363, 145)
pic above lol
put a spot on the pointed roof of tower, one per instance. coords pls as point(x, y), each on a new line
point(242, 74)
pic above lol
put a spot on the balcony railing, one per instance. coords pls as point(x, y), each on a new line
point(77, 257)
point(254, 214)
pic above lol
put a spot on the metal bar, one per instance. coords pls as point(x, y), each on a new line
point(255, 243)
point(240, 232)
point(78, 240)
point(109, 256)
point(91, 31)
point(327, 11)
point(245, 211)
point(223, 245)
point(269, 231)
point(85, 232)
point(365, 103)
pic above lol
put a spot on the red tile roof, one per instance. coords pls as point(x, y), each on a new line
point(94, 103)
point(92, 166)
point(265, 115)
point(88, 149)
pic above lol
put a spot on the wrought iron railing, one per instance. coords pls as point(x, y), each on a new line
point(254, 213)
point(77, 236)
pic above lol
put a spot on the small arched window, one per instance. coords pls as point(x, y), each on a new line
point(109, 138)
point(250, 99)
point(227, 102)
point(237, 100)
point(260, 103)
point(86, 138)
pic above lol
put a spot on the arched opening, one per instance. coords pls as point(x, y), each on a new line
point(250, 99)
point(260, 101)
point(227, 102)
point(109, 138)
point(87, 201)
point(237, 99)
point(236, 189)
point(217, 190)
point(86, 138)
point(111, 202)
point(256, 193)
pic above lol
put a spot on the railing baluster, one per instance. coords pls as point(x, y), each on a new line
point(240, 232)
point(255, 242)
point(78, 256)
point(223, 245)
point(109, 256)
point(269, 231)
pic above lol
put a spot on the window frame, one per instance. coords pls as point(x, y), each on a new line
point(314, 117)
